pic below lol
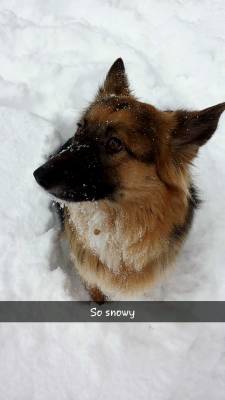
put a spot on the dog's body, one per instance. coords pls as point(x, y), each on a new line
point(122, 248)
point(125, 182)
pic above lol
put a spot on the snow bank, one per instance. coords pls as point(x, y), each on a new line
point(27, 230)
point(54, 54)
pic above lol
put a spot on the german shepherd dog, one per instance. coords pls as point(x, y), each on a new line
point(124, 179)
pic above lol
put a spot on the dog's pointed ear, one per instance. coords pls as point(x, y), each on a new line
point(196, 127)
point(116, 81)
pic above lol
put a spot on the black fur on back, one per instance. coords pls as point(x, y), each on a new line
point(180, 231)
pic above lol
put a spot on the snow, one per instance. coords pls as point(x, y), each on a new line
point(54, 54)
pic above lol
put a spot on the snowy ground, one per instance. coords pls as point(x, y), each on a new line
point(54, 54)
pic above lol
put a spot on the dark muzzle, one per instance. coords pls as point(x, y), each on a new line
point(75, 173)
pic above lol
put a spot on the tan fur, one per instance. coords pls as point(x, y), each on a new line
point(126, 280)
point(96, 295)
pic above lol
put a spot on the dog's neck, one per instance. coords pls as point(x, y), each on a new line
point(126, 232)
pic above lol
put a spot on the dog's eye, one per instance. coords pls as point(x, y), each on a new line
point(114, 145)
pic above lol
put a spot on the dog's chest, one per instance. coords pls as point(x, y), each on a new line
point(102, 230)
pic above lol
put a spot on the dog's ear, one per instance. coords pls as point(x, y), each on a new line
point(116, 81)
point(195, 128)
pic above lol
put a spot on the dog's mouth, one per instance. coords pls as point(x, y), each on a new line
point(62, 193)
point(75, 174)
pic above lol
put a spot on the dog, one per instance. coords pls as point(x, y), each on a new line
point(124, 179)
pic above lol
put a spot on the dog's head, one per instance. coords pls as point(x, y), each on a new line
point(123, 147)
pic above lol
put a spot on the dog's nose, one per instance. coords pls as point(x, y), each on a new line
point(41, 176)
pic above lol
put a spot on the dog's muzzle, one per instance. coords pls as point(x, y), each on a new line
point(75, 174)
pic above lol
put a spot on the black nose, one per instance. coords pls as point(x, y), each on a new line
point(41, 176)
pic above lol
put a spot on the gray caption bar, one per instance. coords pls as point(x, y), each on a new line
point(112, 311)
